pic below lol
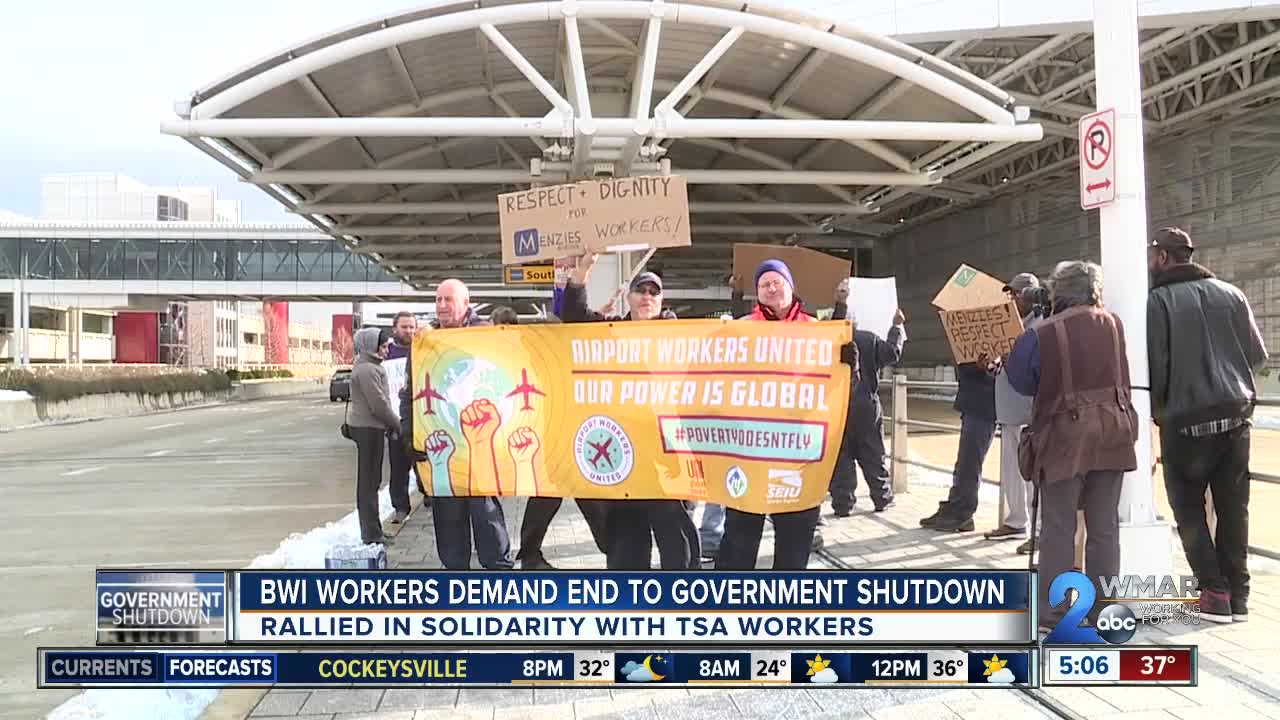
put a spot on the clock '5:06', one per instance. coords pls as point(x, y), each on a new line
point(1084, 665)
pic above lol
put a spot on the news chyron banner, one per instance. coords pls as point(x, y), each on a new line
point(745, 414)
point(566, 608)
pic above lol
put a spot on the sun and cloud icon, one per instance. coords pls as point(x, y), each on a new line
point(820, 671)
point(997, 671)
point(653, 669)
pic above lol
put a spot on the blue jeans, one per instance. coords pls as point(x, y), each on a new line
point(457, 519)
point(975, 441)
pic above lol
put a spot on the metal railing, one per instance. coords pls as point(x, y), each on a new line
point(899, 423)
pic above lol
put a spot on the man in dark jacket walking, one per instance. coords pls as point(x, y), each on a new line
point(632, 526)
point(403, 328)
point(458, 519)
point(1083, 427)
point(863, 439)
point(1203, 347)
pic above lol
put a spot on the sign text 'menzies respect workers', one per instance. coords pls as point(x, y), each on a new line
point(594, 216)
point(744, 414)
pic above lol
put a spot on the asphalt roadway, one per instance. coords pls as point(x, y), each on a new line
point(207, 487)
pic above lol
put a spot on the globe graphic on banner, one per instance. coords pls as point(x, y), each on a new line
point(471, 379)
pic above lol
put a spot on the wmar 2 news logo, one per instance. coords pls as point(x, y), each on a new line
point(1160, 599)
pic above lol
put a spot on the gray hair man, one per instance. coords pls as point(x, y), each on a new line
point(1203, 346)
point(1083, 426)
point(1013, 412)
point(458, 519)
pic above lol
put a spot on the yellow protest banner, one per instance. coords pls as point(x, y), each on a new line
point(745, 414)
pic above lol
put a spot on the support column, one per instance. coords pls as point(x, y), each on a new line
point(1146, 546)
point(23, 312)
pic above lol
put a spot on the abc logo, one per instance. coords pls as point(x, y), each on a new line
point(1116, 624)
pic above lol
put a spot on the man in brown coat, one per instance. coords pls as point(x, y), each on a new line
point(1083, 426)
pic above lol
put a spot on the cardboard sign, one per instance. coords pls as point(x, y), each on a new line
point(609, 215)
point(816, 274)
point(977, 315)
point(529, 275)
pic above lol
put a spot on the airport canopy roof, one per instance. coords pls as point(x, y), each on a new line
point(396, 135)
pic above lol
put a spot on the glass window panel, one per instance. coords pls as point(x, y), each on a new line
point(141, 259)
point(175, 259)
point(209, 258)
point(347, 266)
point(279, 260)
point(39, 258)
point(10, 257)
point(245, 260)
point(71, 259)
point(107, 259)
point(315, 260)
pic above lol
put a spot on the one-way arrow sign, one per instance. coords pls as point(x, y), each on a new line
point(1098, 159)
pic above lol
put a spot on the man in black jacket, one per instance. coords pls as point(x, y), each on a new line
point(863, 439)
point(976, 403)
point(633, 525)
point(1203, 347)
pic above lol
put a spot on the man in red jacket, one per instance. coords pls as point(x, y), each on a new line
point(793, 532)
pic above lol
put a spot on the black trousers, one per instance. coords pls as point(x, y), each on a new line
point(538, 513)
point(399, 483)
point(633, 527)
point(370, 443)
point(975, 440)
point(1220, 463)
point(458, 519)
point(863, 444)
point(792, 539)
point(1098, 493)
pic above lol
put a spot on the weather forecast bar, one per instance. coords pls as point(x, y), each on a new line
point(227, 668)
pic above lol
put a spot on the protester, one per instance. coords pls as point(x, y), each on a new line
point(976, 403)
point(371, 418)
point(1083, 427)
point(793, 532)
point(863, 439)
point(634, 525)
point(1203, 347)
point(458, 519)
point(539, 511)
point(403, 328)
point(1013, 411)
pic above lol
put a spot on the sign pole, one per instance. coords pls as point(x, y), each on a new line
point(1146, 545)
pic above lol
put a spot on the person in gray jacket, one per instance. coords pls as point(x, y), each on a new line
point(1203, 347)
point(371, 418)
point(1013, 412)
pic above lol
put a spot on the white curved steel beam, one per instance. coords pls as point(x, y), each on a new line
point(370, 231)
point(380, 40)
point(482, 207)
point(505, 177)
point(671, 125)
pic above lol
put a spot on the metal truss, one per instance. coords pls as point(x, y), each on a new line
point(574, 139)
point(1192, 76)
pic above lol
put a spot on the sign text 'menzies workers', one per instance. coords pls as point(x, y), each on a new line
point(594, 216)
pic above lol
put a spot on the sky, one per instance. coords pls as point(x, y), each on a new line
point(84, 85)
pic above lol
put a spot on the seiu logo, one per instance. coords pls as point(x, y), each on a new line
point(527, 242)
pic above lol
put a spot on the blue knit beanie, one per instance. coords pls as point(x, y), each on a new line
point(775, 266)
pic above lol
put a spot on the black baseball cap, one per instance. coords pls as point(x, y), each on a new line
point(1172, 238)
point(646, 277)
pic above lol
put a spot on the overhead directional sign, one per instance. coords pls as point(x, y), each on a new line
point(529, 274)
point(1098, 159)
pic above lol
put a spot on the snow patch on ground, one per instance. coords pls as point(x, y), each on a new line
point(14, 395)
point(298, 551)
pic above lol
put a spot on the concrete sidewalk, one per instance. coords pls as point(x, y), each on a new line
point(1239, 664)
